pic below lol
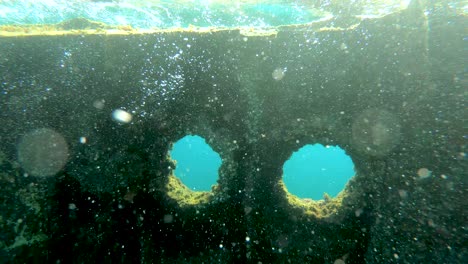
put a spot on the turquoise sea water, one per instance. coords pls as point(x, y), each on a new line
point(197, 163)
point(310, 172)
point(315, 169)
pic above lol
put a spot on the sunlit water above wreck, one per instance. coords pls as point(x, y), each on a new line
point(159, 14)
point(198, 13)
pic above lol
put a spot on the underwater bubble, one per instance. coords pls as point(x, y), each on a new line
point(42, 152)
point(121, 116)
point(278, 74)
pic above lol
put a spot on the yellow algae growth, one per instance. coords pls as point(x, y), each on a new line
point(325, 208)
point(183, 195)
point(83, 26)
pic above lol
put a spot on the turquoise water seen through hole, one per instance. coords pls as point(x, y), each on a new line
point(316, 169)
point(197, 163)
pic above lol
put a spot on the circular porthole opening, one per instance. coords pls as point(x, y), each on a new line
point(197, 164)
point(317, 172)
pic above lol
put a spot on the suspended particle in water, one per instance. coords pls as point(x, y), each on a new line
point(129, 196)
point(424, 173)
point(358, 212)
point(278, 73)
point(343, 46)
point(168, 218)
point(42, 152)
point(339, 261)
point(376, 132)
point(121, 116)
point(403, 194)
point(99, 104)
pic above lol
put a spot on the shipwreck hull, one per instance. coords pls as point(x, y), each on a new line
point(390, 91)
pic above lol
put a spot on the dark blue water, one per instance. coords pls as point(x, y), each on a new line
point(315, 169)
point(309, 173)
